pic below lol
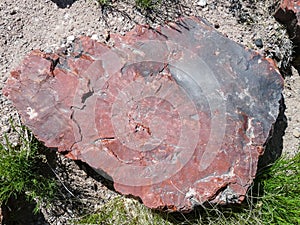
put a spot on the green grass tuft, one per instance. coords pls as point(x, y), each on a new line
point(121, 210)
point(19, 171)
point(103, 2)
point(281, 198)
point(147, 4)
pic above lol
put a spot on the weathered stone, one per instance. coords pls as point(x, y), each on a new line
point(289, 14)
point(176, 116)
point(296, 132)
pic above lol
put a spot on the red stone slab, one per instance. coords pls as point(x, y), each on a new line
point(176, 116)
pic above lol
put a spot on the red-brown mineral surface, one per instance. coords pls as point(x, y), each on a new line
point(176, 116)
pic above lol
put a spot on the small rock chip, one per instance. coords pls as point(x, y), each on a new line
point(259, 43)
point(202, 3)
point(296, 132)
point(288, 14)
point(94, 37)
point(70, 38)
point(13, 12)
point(48, 51)
point(217, 26)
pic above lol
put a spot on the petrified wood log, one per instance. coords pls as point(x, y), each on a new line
point(176, 116)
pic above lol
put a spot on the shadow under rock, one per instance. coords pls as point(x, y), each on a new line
point(63, 3)
point(274, 143)
point(18, 210)
point(97, 175)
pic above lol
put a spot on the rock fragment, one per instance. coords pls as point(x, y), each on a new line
point(202, 3)
point(296, 132)
point(177, 116)
point(259, 43)
point(70, 38)
point(289, 15)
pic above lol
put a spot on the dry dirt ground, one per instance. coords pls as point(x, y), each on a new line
point(50, 24)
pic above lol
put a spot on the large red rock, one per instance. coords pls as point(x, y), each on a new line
point(176, 116)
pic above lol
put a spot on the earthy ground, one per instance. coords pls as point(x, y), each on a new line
point(50, 24)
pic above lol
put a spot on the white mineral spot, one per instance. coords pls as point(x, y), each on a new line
point(32, 113)
point(70, 38)
point(195, 117)
point(94, 37)
point(66, 16)
point(296, 132)
point(191, 193)
point(202, 3)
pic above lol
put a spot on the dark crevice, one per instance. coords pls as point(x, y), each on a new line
point(97, 174)
point(105, 139)
point(54, 63)
point(63, 3)
point(88, 94)
point(274, 143)
point(18, 210)
point(78, 55)
point(77, 124)
point(108, 37)
point(183, 24)
point(174, 28)
point(158, 32)
point(85, 96)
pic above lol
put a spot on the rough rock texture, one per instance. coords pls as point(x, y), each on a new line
point(176, 116)
point(289, 14)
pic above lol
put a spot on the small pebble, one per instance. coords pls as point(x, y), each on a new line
point(5, 129)
point(70, 38)
point(94, 37)
point(48, 51)
point(66, 16)
point(259, 43)
point(296, 132)
point(13, 12)
point(202, 3)
point(217, 25)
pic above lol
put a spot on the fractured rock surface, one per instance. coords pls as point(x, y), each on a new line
point(176, 116)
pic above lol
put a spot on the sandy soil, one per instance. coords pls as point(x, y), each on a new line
point(50, 24)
